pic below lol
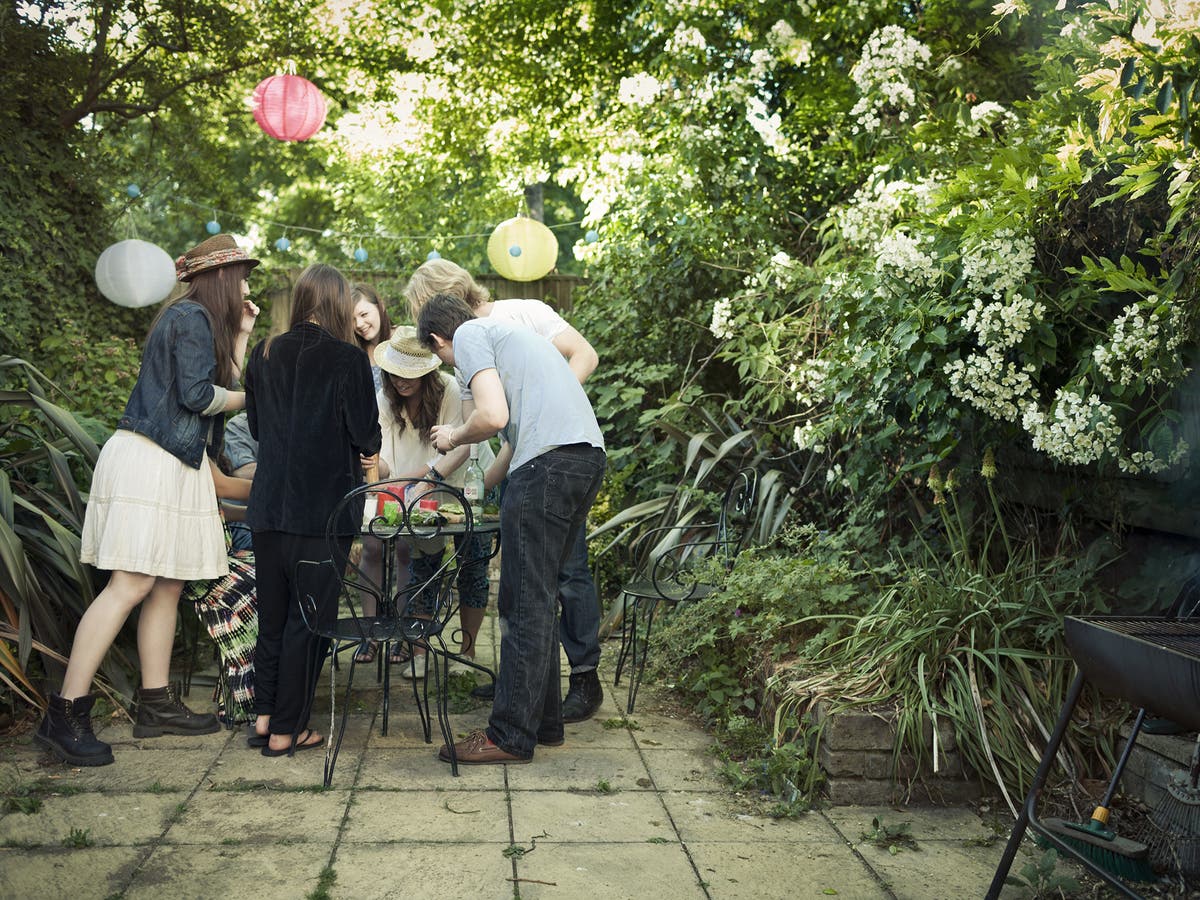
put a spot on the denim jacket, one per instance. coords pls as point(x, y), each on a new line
point(174, 400)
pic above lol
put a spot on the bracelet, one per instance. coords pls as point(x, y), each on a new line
point(450, 438)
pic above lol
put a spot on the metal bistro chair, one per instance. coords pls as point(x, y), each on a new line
point(674, 569)
point(418, 614)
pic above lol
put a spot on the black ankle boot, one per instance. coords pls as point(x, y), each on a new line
point(160, 711)
point(67, 732)
point(583, 696)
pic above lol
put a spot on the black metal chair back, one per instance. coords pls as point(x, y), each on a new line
point(425, 513)
point(681, 558)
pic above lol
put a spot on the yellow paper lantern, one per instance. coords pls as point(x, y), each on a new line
point(522, 249)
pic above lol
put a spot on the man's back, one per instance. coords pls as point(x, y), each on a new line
point(547, 406)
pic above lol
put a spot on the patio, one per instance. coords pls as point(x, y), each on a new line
point(616, 812)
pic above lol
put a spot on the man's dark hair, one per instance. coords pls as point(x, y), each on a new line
point(441, 315)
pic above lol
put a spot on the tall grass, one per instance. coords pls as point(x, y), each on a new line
point(968, 633)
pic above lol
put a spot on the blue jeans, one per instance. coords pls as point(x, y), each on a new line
point(545, 505)
point(579, 627)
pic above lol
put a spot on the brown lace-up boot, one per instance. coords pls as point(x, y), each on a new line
point(159, 711)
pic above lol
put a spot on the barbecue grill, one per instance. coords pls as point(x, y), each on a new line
point(1152, 662)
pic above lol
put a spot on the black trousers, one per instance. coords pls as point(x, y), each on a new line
point(288, 656)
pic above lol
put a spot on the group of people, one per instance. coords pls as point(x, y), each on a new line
point(323, 412)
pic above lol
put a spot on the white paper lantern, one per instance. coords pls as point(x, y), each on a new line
point(135, 273)
point(522, 249)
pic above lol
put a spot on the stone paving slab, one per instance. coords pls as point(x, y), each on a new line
point(271, 872)
point(757, 871)
point(617, 871)
point(419, 770)
point(716, 817)
point(106, 819)
point(684, 770)
point(959, 871)
point(563, 816)
point(260, 817)
point(423, 872)
point(133, 770)
point(455, 817)
point(925, 823)
point(565, 767)
point(91, 873)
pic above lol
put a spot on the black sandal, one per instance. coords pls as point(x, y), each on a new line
point(302, 742)
point(400, 653)
point(365, 652)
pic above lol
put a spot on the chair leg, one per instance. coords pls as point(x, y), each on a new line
point(421, 696)
point(331, 754)
point(440, 661)
point(639, 658)
point(625, 626)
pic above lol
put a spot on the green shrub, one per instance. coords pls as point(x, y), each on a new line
point(723, 649)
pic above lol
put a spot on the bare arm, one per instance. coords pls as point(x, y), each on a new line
point(228, 487)
point(488, 417)
point(249, 317)
point(498, 470)
point(579, 354)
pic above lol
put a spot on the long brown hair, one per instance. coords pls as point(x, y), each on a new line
point(219, 293)
point(429, 402)
point(362, 291)
point(322, 295)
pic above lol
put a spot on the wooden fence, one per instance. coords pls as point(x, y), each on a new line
point(554, 289)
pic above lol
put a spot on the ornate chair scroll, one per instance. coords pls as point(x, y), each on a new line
point(424, 513)
point(677, 560)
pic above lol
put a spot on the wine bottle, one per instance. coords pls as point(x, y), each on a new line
point(473, 489)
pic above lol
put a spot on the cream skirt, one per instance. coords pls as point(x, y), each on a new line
point(150, 513)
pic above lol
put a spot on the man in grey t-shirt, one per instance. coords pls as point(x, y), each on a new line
point(522, 387)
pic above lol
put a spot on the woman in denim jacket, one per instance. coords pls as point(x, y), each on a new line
point(310, 403)
point(152, 512)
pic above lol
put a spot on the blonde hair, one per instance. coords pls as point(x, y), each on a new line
point(440, 276)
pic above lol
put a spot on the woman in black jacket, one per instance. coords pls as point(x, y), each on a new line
point(310, 401)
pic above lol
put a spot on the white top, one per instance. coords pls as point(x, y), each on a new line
point(408, 451)
point(534, 315)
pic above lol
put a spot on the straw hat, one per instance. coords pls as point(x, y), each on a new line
point(219, 250)
point(403, 355)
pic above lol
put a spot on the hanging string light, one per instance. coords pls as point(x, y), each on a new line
point(522, 241)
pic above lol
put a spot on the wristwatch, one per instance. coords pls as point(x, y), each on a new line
point(434, 473)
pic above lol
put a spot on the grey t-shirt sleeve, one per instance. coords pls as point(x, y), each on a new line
point(240, 447)
point(473, 352)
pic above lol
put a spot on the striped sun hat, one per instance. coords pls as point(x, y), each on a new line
point(219, 250)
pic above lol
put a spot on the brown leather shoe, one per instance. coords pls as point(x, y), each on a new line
point(477, 750)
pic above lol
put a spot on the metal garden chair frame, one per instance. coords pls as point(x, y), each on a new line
point(674, 570)
point(418, 614)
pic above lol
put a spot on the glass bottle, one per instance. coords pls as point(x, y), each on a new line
point(473, 489)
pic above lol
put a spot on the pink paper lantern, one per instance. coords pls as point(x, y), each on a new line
point(288, 107)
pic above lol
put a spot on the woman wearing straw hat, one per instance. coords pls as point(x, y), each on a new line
point(152, 512)
point(416, 397)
